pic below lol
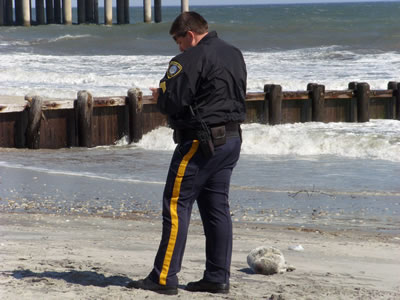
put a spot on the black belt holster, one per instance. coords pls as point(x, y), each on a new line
point(214, 137)
point(206, 143)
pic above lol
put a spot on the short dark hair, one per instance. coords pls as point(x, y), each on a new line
point(188, 21)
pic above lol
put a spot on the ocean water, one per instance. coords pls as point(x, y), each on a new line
point(290, 45)
point(339, 175)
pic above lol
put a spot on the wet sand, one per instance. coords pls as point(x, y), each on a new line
point(46, 256)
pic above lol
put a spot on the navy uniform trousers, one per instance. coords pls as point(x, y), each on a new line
point(192, 177)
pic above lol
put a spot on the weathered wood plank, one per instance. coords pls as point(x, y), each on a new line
point(51, 104)
point(255, 96)
point(295, 96)
point(8, 108)
point(109, 101)
point(57, 129)
point(7, 129)
point(63, 104)
point(339, 94)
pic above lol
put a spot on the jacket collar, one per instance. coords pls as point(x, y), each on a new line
point(210, 35)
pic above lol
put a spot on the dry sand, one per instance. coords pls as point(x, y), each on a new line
point(72, 257)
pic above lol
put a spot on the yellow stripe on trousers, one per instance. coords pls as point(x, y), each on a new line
point(174, 211)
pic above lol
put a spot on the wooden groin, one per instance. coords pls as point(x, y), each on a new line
point(60, 12)
point(94, 121)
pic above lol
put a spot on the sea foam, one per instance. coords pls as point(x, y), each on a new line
point(377, 139)
point(112, 75)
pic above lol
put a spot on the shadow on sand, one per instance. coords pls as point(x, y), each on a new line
point(247, 271)
point(77, 277)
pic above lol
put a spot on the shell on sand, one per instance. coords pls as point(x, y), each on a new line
point(266, 260)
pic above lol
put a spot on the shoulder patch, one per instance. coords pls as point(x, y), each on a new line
point(174, 69)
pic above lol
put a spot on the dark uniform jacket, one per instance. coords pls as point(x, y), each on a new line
point(210, 77)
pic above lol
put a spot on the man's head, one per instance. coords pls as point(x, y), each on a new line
point(188, 29)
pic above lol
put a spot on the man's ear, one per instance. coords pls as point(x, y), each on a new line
point(191, 35)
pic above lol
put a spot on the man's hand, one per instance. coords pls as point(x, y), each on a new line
point(154, 92)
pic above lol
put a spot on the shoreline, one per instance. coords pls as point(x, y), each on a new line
point(25, 190)
point(47, 256)
point(386, 226)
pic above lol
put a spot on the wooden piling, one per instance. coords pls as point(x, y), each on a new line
point(392, 85)
point(353, 116)
point(120, 12)
point(89, 4)
point(362, 96)
point(89, 11)
point(184, 5)
point(306, 108)
point(40, 20)
point(67, 12)
point(397, 116)
point(309, 106)
point(9, 11)
point(34, 120)
point(274, 95)
point(81, 12)
point(2, 13)
point(147, 11)
point(84, 118)
point(157, 11)
point(126, 12)
point(265, 107)
point(30, 12)
point(57, 11)
point(96, 12)
point(108, 12)
point(18, 12)
point(317, 97)
point(26, 13)
point(135, 115)
point(49, 12)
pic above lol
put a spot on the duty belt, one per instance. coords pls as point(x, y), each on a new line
point(219, 134)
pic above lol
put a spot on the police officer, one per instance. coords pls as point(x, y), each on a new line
point(203, 95)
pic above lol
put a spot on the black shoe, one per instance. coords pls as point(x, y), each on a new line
point(207, 286)
point(149, 285)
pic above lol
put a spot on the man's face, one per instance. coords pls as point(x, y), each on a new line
point(185, 42)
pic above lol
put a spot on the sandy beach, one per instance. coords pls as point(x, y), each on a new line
point(45, 256)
